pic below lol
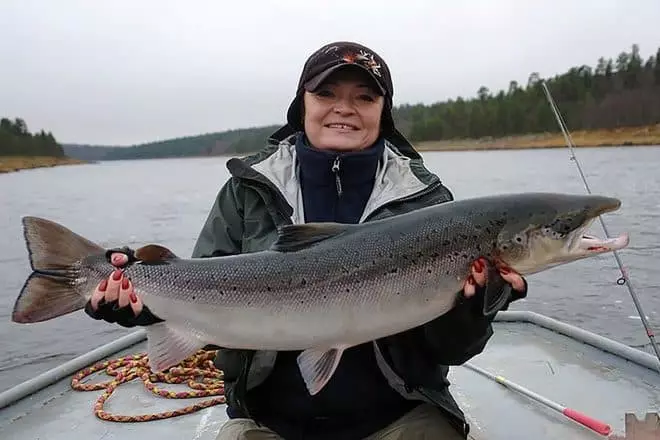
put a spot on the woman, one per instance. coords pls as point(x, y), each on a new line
point(339, 158)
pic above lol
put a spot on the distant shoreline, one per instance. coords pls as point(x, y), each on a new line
point(618, 137)
point(10, 164)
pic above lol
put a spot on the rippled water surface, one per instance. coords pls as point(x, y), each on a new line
point(166, 201)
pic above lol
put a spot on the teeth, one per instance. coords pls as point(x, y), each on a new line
point(343, 126)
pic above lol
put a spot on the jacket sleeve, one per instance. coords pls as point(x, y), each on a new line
point(223, 229)
point(462, 333)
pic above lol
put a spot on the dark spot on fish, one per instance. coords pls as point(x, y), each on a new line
point(325, 296)
point(395, 270)
point(234, 288)
point(303, 282)
point(268, 288)
point(391, 256)
point(429, 271)
point(456, 253)
point(194, 297)
point(348, 290)
point(222, 292)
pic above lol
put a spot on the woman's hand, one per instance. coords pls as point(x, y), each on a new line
point(114, 299)
point(479, 277)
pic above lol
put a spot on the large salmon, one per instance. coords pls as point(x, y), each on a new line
point(321, 287)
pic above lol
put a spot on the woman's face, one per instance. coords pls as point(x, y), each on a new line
point(343, 113)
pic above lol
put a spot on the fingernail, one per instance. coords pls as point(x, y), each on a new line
point(124, 283)
point(478, 266)
point(504, 270)
point(116, 275)
point(132, 297)
point(471, 280)
point(103, 285)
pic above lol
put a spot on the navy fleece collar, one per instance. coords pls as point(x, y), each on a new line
point(354, 167)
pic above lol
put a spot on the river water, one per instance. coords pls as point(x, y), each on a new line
point(166, 201)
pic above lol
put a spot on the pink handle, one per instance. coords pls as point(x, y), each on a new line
point(599, 427)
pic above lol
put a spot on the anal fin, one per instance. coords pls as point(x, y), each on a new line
point(167, 347)
point(318, 365)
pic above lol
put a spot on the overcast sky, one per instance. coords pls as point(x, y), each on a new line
point(125, 72)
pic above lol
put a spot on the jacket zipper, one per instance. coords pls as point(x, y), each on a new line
point(335, 169)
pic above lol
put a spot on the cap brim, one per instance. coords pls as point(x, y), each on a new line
point(317, 80)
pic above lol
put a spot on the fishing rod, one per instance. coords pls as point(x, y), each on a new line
point(624, 279)
point(595, 425)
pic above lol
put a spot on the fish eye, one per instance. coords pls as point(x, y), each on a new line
point(519, 238)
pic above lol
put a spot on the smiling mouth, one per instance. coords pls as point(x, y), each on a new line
point(342, 126)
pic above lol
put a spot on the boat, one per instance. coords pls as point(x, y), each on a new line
point(534, 373)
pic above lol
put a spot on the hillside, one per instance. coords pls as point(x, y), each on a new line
point(617, 93)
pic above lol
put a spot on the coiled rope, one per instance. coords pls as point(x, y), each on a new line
point(197, 371)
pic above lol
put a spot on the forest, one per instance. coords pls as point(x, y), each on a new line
point(621, 92)
point(16, 140)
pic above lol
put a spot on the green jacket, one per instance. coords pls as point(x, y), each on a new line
point(264, 193)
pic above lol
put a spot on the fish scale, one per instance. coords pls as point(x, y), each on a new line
point(321, 287)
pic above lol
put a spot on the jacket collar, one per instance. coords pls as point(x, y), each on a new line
point(321, 167)
point(397, 175)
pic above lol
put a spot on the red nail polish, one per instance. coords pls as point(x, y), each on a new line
point(124, 283)
point(504, 270)
point(116, 275)
point(103, 285)
point(132, 297)
point(478, 266)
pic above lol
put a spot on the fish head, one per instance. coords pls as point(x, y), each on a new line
point(541, 231)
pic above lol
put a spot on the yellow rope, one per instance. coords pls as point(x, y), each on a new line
point(198, 371)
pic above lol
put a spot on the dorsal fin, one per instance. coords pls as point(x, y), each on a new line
point(154, 253)
point(295, 237)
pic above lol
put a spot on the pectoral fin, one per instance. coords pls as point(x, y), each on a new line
point(318, 365)
point(497, 292)
point(168, 346)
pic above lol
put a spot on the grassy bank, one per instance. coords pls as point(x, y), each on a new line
point(626, 136)
point(16, 163)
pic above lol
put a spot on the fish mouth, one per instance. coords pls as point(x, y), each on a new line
point(594, 245)
point(585, 244)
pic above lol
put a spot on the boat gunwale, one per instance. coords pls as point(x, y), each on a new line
point(49, 377)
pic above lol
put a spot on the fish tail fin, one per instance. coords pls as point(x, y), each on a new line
point(52, 248)
point(55, 255)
